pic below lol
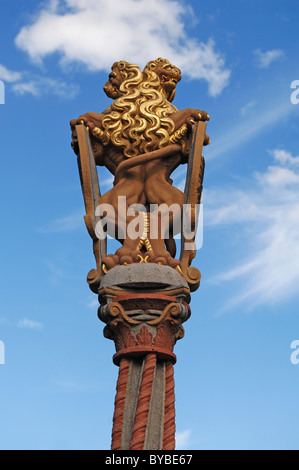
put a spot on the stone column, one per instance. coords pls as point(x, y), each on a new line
point(144, 306)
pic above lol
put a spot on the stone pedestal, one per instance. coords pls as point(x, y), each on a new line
point(144, 307)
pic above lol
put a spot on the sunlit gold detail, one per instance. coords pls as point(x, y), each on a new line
point(140, 121)
point(179, 135)
point(145, 243)
point(148, 245)
point(104, 268)
point(178, 268)
point(144, 238)
point(143, 260)
point(97, 132)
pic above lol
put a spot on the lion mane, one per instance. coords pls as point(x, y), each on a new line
point(139, 120)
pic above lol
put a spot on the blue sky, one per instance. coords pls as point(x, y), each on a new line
point(236, 387)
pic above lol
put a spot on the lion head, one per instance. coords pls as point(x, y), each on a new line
point(168, 74)
point(121, 72)
point(139, 119)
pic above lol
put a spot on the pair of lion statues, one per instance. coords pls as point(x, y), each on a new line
point(141, 139)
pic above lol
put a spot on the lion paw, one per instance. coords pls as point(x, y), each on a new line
point(109, 262)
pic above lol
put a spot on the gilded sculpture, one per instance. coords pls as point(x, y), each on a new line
point(141, 139)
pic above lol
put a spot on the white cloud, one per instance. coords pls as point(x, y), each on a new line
point(183, 440)
point(279, 177)
point(30, 324)
point(8, 75)
point(39, 86)
point(23, 88)
point(239, 133)
point(270, 212)
point(229, 211)
point(265, 59)
point(285, 158)
point(23, 83)
point(99, 32)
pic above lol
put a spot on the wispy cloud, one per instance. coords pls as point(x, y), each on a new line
point(30, 324)
point(265, 59)
point(270, 208)
point(248, 107)
point(58, 275)
point(8, 75)
point(135, 31)
point(63, 224)
point(240, 133)
point(69, 385)
point(25, 323)
point(183, 440)
point(40, 86)
point(5, 321)
point(93, 303)
point(23, 83)
point(285, 158)
point(77, 385)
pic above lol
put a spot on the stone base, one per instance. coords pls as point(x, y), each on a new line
point(143, 277)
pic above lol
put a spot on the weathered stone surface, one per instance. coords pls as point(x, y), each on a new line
point(154, 432)
point(132, 393)
point(143, 276)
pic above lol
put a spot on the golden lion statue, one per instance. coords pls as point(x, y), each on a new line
point(141, 139)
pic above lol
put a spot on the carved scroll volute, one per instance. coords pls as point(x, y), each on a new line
point(91, 193)
point(193, 192)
